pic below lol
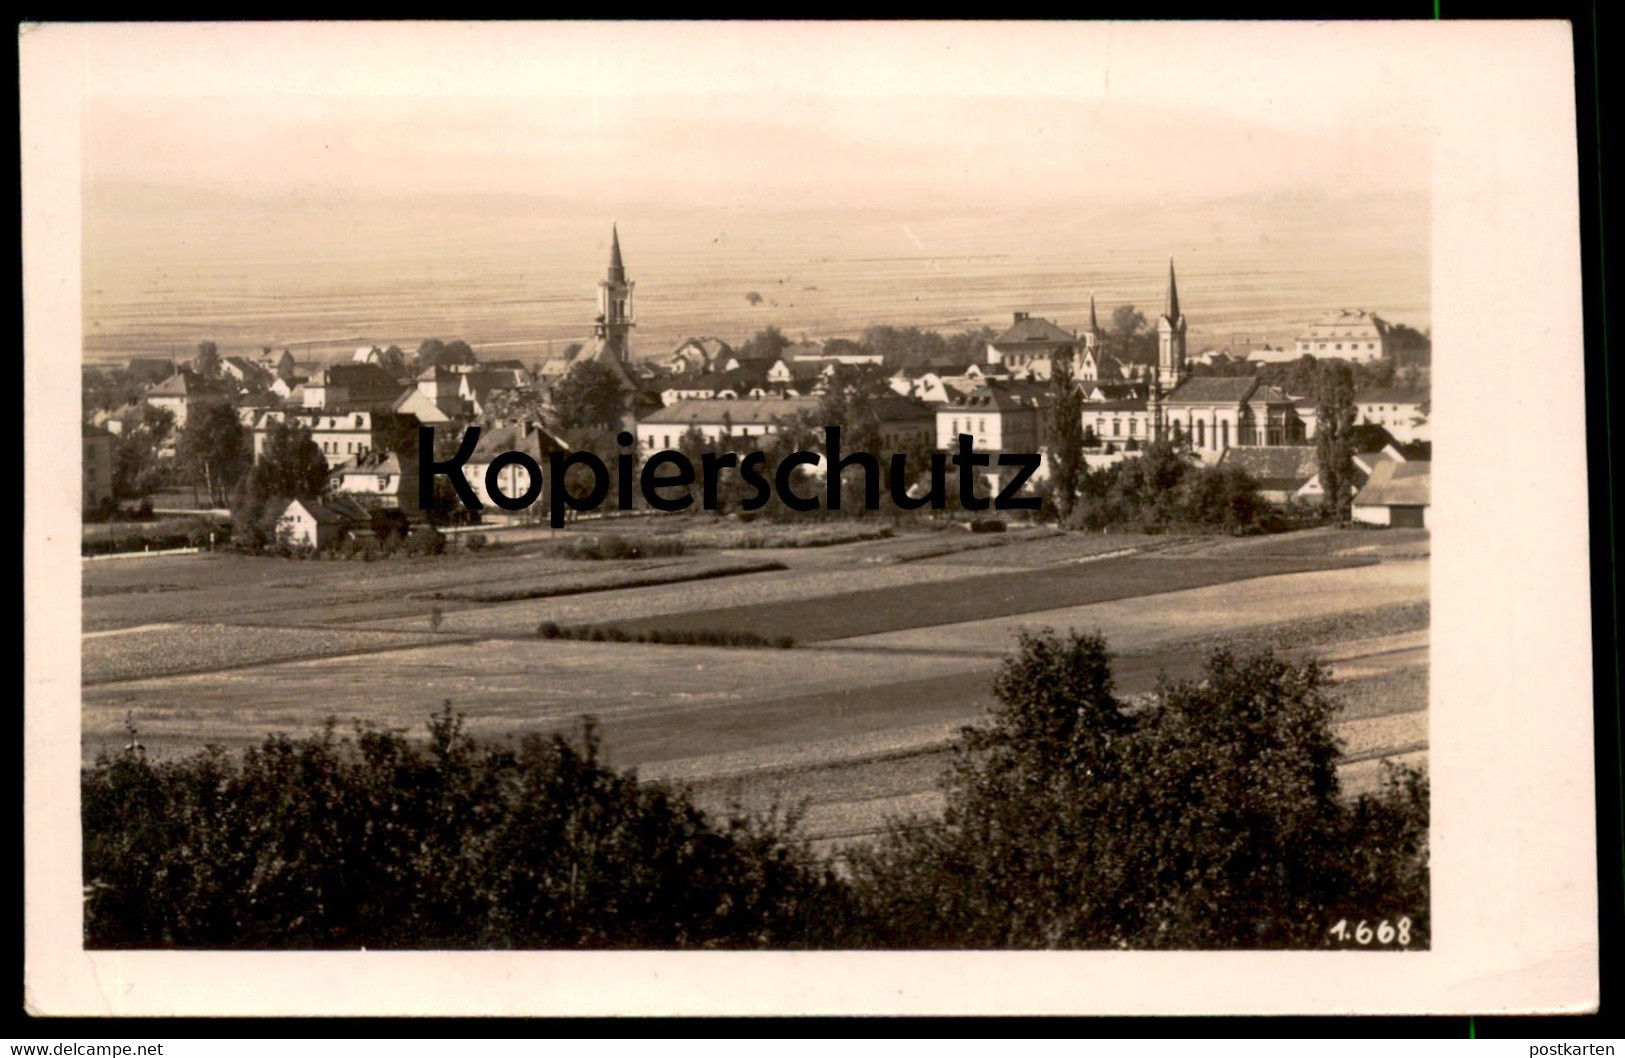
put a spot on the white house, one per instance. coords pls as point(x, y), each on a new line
point(1348, 334)
point(1401, 414)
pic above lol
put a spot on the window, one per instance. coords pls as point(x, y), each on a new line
point(1117, 427)
point(1133, 427)
point(1201, 434)
point(981, 424)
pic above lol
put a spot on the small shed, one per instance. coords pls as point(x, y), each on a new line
point(1396, 495)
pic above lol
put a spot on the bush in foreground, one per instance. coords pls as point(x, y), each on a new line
point(1208, 818)
point(381, 843)
point(1211, 819)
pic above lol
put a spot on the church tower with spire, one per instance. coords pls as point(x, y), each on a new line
point(1171, 337)
point(613, 327)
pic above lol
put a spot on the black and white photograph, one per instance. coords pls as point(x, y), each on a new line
point(884, 494)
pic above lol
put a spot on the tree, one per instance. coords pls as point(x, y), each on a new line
point(428, 354)
point(904, 347)
point(379, 841)
point(291, 467)
point(106, 388)
point(1127, 321)
point(1210, 818)
point(399, 433)
point(207, 361)
point(1334, 448)
point(851, 393)
point(214, 451)
point(969, 347)
point(768, 342)
point(1066, 436)
point(137, 470)
point(394, 360)
point(457, 353)
point(589, 396)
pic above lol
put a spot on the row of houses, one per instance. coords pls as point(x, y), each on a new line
point(352, 408)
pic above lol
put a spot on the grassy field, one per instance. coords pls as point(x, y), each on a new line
point(988, 595)
point(238, 588)
point(808, 586)
point(169, 650)
point(904, 643)
point(1193, 619)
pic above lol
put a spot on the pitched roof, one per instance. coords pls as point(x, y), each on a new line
point(1275, 466)
point(1034, 329)
point(1347, 323)
point(1003, 396)
point(528, 438)
point(373, 462)
point(338, 510)
point(1392, 483)
point(363, 381)
point(803, 351)
point(739, 412)
point(900, 409)
point(183, 383)
point(482, 383)
point(1113, 390)
point(151, 367)
point(1210, 390)
point(1388, 396)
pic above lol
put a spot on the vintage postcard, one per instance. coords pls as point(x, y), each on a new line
point(745, 518)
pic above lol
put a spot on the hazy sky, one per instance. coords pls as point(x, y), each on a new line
point(763, 115)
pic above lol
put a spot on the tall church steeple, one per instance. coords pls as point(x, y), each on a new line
point(1171, 337)
point(616, 318)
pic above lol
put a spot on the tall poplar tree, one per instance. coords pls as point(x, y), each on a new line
point(1334, 445)
point(1066, 436)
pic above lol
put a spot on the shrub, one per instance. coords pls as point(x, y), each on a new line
point(675, 637)
point(426, 540)
point(476, 542)
point(379, 842)
point(987, 525)
point(1210, 820)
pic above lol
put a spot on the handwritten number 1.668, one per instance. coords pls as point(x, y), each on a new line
point(1384, 933)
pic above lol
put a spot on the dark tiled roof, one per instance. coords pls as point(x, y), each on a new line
point(534, 442)
point(1001, 395)
point(1274, 467)
point(901, 409)
point(1034, 329)
point(1388, 396)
